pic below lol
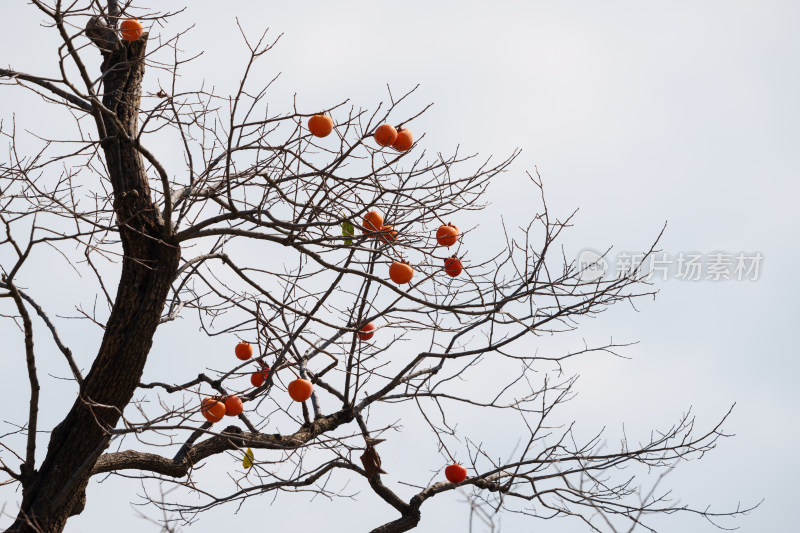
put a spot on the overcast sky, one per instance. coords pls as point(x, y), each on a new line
point(637, 114)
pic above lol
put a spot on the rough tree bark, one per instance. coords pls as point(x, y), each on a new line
point(57, 490)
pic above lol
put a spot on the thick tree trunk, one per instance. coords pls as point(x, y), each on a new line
point(406, 522)
point(56, 490)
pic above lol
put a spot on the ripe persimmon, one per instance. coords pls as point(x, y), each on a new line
point(455, 473)
point(244, 351)
point(401, 272)
point(452, 266)
point(404, 140)
point(320, 125)
point(367, 331)
point(385, 135)
point(373, 221)
point(447, 234)
point(131, 29)
point(213, 410)
point(388, 233)
point(300, 390)
point(258, 378)
point(233, 406)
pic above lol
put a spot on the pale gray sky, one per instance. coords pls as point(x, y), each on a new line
point(635, 112)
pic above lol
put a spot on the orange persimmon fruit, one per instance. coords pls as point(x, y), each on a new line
point(258, 378)
point(244, 351)
point(404, 140)
point(320, 125)
point(447, 234)
point(452, 266)
point(455, 473)
point(401, 272)
point(300, 390)
point(233, 405)
point(373, 221)
point(385, 135)
point(213, 410)
point(131, 29)
point(388, 233)
point(367, 331)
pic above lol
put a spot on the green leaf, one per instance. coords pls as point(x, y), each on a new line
point(348, 231)
point(247, 462)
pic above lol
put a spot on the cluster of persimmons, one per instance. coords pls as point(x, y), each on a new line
point(373, 225)
point(400, 272)
point(401, 140)
point(215, 408)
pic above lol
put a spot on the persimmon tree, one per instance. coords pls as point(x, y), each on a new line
point(180, 244)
